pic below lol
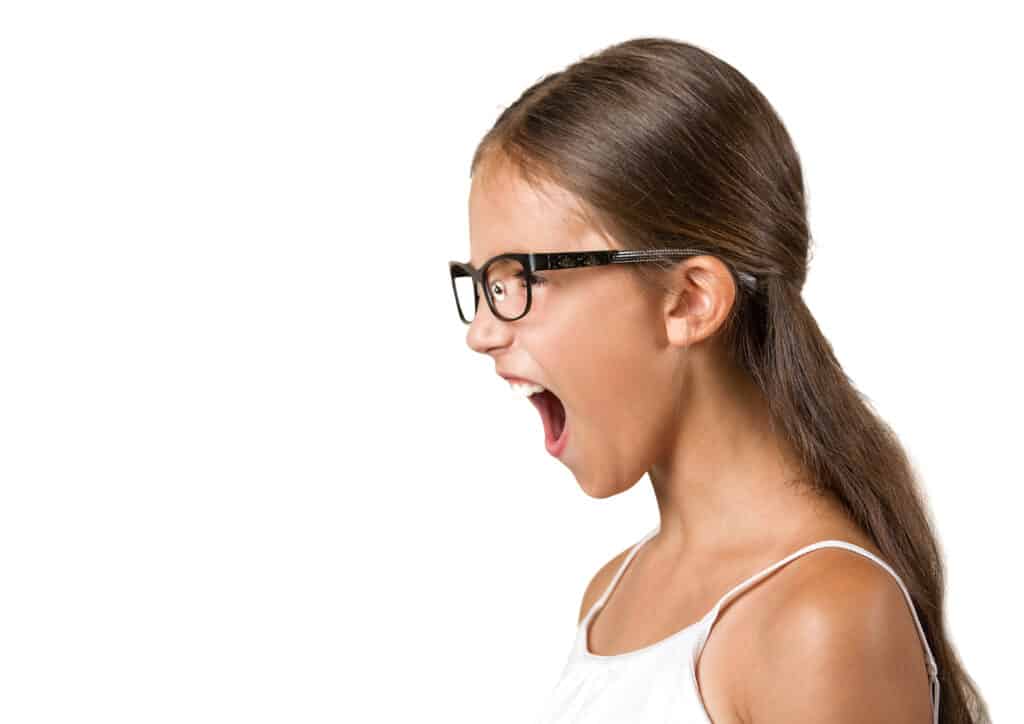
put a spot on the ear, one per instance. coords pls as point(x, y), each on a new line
point(701, 294)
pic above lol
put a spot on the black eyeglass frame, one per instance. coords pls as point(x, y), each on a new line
point(551, 261)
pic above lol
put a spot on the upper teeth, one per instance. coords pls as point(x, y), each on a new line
point(525, 389)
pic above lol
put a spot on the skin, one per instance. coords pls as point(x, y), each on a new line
point(648, 389)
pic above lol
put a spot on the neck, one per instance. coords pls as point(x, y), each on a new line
point(727, 480)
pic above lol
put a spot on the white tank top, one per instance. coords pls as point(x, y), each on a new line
point(658, 683)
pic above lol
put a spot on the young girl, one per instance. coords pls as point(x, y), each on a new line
point(639, 242)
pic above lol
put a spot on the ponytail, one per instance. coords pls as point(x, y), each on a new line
point(853, 454)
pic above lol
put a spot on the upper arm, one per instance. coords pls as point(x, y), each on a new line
point(599, 583)
point(845, 650)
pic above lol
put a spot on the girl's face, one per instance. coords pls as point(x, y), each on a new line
point(594, 336)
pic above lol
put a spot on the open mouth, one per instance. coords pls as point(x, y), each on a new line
point(552, 412)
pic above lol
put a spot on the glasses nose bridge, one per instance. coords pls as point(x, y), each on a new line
point(486, 301)
point(478, 292)
point(481, 287)
point(487, 331)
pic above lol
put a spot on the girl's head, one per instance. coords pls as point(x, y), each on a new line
point(650, 144)
point(657, 144)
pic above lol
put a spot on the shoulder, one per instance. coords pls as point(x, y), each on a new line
point(600, 582)
point(843, 631)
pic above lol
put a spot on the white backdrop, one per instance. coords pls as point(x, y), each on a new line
point(246, 457)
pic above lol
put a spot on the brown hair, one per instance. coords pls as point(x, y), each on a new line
point(667, 146)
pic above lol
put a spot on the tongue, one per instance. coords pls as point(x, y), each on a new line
point(557, 411)
point(552, 412)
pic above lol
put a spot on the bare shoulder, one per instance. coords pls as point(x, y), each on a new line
point(843, 629)
point(600, 582)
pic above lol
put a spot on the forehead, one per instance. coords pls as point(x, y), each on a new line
point(509, 214)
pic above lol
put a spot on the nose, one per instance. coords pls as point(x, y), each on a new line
point(486, 331)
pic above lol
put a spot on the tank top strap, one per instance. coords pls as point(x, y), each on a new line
point(615, 579)
point(831, 543)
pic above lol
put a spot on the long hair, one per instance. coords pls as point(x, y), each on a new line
point(667, 146)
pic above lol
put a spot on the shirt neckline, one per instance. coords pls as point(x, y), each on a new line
point(583, 631)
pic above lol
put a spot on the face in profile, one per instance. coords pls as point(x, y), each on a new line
point(594, 336)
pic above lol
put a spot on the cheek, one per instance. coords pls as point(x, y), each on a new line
point(601, 353)
point(610, 372)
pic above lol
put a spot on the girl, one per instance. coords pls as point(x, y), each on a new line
point(639, 241)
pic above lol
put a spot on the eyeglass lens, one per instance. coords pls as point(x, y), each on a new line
point(507, 283)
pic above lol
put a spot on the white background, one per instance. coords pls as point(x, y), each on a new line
point(248, 465)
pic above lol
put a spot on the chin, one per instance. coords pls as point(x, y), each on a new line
point(602, 489)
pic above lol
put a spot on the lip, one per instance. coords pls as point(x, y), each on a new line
point(522, 380)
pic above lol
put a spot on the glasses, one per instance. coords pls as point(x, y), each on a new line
point(508, 279)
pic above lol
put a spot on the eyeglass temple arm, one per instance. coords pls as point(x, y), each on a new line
point(555, 260)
